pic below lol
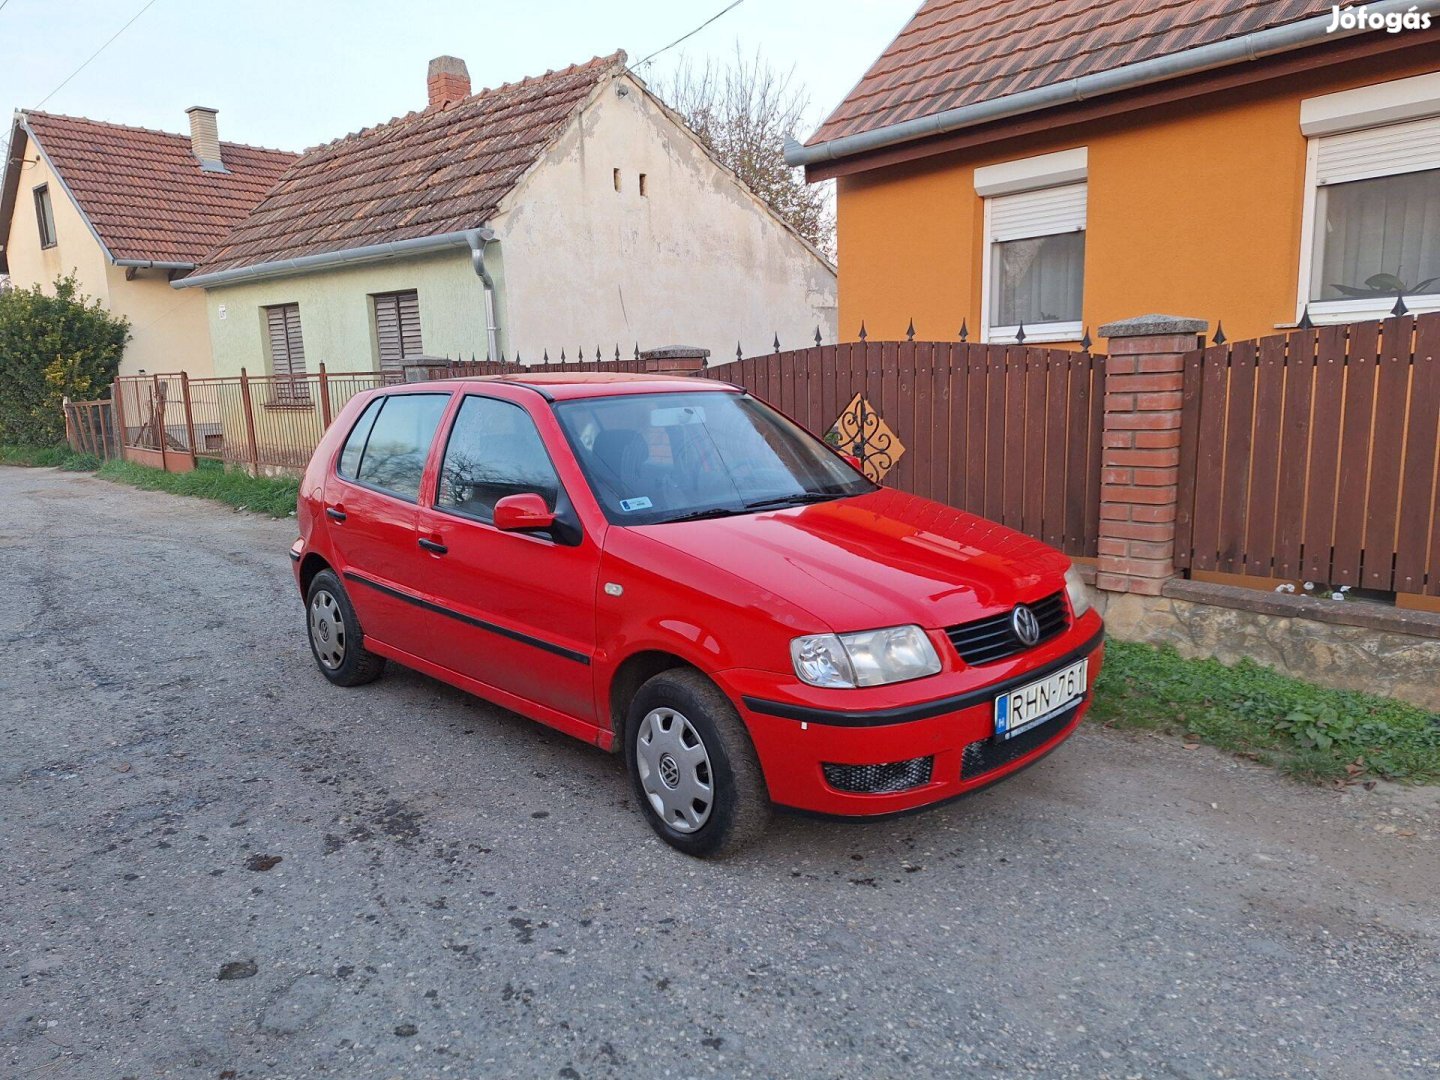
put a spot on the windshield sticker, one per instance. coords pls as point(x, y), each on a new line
point(631, 505)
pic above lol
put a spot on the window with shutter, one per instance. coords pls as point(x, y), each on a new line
point(397, 328)
point(1375, 221)
point(287, 354)
point(1035, 264)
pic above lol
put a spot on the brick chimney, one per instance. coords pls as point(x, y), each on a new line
point(448, 81)
point(205, 138)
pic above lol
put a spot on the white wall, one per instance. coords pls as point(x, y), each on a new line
point(698, 260)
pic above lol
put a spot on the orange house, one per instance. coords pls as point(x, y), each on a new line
point(1054, 166)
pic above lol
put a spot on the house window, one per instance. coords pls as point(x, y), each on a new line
point(287, 354)
point(45, 216)
point(397, 328)
point(1374, 221)
point(1034, 260)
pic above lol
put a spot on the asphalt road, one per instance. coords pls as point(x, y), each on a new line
point(454, 891)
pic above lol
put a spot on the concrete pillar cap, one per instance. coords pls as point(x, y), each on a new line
point(1154, 326)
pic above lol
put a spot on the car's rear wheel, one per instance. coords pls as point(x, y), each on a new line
point(693, 766)
point(336, 639)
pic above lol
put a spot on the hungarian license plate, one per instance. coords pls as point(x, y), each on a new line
point(1022, 708)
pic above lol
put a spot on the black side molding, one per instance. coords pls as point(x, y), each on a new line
point(905, 714)
point(513, 635)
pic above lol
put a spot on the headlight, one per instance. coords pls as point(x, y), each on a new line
point(1079, 594)
point(866, 658)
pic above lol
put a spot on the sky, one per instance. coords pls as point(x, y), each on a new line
point(296, 73)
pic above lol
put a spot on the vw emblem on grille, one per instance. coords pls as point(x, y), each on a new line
point(1025, 625)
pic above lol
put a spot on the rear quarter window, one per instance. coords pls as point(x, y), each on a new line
point(355, 444)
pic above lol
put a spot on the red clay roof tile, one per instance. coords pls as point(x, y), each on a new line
point(144, 191)
point(423, 174)
point(959, 52)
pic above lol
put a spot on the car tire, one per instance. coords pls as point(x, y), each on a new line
point(336, 640)
point(681, 730)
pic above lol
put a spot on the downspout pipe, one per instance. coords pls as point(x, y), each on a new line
point(329, 260)
point(479, 239)
point(1218, 54)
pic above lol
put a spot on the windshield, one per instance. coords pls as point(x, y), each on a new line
point(679, 457)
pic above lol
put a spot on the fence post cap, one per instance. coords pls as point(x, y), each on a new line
point(675, 352)
point(1154, 326)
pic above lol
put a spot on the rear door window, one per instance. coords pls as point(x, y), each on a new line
point(396, 443)
point(494, 451)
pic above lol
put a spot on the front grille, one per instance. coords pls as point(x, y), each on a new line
point(986, 640)
point(987, 755)
point(880, 779)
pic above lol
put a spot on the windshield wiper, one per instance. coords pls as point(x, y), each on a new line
point(800, 498)
point(700, 515)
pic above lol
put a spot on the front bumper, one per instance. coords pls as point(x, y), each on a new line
point(798, 729)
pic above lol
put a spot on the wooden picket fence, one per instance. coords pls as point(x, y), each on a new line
point(1314, 455)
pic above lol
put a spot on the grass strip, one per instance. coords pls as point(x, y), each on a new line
point(273, 495)
point(1310, 732)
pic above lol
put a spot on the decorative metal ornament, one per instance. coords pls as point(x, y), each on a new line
point(863, 434)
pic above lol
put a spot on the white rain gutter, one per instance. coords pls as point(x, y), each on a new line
point(151, 264)
point(1219, 54)
point(474, 239)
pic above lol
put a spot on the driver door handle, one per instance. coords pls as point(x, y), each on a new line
point(432, 546)
point(334, 514)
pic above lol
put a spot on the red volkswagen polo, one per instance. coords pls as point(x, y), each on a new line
point(669, 568)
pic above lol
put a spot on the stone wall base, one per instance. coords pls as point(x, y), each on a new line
point(1403, 665)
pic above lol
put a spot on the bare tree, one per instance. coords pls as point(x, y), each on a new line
point(744, 112)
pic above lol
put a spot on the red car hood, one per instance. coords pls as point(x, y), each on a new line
point(882, 559)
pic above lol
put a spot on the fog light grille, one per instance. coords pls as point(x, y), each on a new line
point(880, 779)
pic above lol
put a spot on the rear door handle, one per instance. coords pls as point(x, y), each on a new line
point(334, 514)
point(433, 546)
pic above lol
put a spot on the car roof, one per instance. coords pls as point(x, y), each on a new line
point(567, 385)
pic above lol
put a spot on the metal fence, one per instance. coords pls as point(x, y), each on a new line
point(1313, 455)
point(276, 421)
point(272, 421)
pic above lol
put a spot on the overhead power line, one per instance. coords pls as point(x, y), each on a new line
point(692, 33)
point(97, 52)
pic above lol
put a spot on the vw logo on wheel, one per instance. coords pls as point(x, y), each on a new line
point(1025, 625)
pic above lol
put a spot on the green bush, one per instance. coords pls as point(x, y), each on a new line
point(273, 495)
point(53, 347)
point(1311, 732)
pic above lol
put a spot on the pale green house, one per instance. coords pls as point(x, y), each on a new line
point(568, 210)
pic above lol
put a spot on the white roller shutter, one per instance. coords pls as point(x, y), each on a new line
point(1381, 151)
point(1037, 213)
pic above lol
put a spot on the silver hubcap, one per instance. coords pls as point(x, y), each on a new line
point(327, 630)
point(674, 770)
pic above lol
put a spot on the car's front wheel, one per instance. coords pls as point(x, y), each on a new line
point(693, 766)
point(335, 636)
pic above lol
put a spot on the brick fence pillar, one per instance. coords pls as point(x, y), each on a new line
point(1140, 461)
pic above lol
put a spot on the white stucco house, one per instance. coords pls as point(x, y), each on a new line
point(566, 211)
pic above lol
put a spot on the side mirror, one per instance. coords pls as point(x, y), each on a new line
point(523, 513)
point(855, 462)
